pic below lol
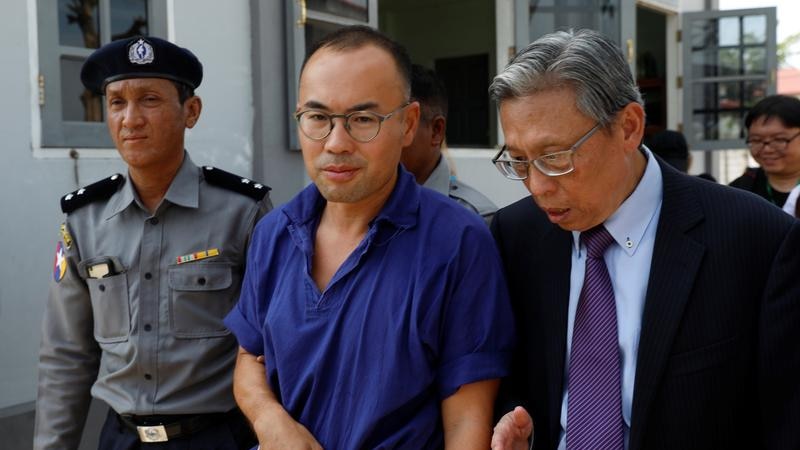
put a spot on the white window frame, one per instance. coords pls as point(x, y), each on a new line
point(53, 136)
point(689, 80)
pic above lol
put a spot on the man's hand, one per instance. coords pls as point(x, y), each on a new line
point(278, 431)
point(274, 427)
point(513, 430)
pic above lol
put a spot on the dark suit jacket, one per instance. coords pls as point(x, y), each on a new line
point(719, 354)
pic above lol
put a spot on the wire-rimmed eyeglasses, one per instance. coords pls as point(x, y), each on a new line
point(363, 126)
point(778, 144)
point(551, 164)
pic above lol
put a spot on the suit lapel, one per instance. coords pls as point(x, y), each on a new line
point(676, 260)
point(556, 262)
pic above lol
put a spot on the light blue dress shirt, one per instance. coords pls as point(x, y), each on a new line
point(633, 227)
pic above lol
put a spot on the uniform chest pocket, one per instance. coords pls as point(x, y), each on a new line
point(200, 297)
point(112, 315)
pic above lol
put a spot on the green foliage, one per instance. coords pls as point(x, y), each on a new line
point(786, 48)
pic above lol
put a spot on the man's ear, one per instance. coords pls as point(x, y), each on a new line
point(632, 125)
point(438, 130)
point(411, 123)
point(193, 107)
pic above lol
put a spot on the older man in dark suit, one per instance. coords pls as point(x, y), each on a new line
point(655, 310)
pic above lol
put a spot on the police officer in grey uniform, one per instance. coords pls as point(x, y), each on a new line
point(424, 156)
point(147, 265)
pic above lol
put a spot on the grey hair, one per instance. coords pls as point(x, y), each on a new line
point(584, 60)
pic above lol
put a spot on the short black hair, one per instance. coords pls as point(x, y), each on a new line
point(357, 36)
point(185, 92)
point(671, 147)
point(428, 89)
point(784, 107)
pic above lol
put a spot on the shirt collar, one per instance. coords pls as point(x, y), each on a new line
point(629, 222)
point(185, 187)
point(184, 190)
point(439, 179)
point(400, 208)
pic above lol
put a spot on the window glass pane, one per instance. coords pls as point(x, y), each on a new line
point(754, 91)
point(729, 95)
point(699, 130)
point(703, 96)
point(77, 103)
point(547, 16)
point(716, 96)
point(755, 29)
point(128, 18)
point(730, 125)
point(703, 33)
point(353, 9)
point(717, 126)
point(704, 64)
point(729, 63)
point(712, 63)
point(316, 30)
point(755, 60)
point(78, 23)
point(728, 31)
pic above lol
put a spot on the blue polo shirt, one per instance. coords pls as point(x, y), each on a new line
point(418, 309)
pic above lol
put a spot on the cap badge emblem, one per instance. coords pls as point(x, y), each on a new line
point(141, 52)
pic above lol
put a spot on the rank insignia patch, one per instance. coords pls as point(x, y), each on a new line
point(60, 264)
point(65, 236)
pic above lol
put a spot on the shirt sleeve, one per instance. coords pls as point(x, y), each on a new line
point(477, 334)
point(69, 356)
point(245, 319)
point(778, 357)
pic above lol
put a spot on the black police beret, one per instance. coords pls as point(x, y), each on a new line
point(140, 57)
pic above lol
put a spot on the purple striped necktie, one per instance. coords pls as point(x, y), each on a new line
point(594, 401)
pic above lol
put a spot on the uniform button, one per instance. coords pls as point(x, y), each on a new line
point(147, 327)
point(147, 376)
point(102, 287)
point(154, 221)
point(148, 275)
point(201, 281)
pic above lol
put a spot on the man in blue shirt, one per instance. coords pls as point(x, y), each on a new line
point(380, 307)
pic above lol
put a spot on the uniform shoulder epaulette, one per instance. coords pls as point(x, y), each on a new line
point(233, 182)
point(100, 190)
point(469, 194)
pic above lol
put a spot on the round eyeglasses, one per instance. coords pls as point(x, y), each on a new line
point(363, 126)
point(551, 164)
point(777, 144)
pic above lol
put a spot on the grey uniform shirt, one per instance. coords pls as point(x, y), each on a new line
point(147, 337)
point(442, 182)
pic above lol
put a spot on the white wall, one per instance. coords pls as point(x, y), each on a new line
point(33, 179)
point(29, 192)
point(219, 34)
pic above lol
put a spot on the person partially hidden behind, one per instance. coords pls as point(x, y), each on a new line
point(655, 310)
point(423, 157)
point(147, 266)
point(671, 146)
point(380, 307)
point(773, 128)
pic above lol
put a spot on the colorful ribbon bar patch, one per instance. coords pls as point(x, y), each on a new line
point(198, 255)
